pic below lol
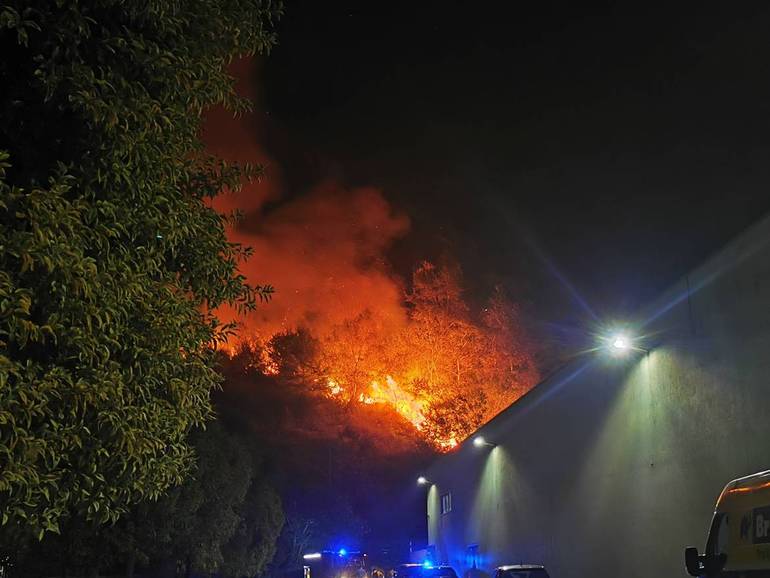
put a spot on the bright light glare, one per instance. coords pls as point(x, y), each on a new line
point(312, 556)
point(427, 564)
point(342, 552)
point(422, 480)
point(620, 342)
point(479, 441)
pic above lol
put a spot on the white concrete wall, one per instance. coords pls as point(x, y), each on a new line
point(611, 468)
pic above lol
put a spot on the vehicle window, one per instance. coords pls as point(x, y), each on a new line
point(718, 534)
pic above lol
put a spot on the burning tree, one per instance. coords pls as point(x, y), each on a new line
point(508, 365)
point(352, 357)
point(446, 345)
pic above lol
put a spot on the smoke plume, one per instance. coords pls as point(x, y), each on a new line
point(323, 250)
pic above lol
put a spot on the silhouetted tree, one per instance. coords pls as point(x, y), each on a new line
point(225, 519)
point(455, 418)
point(295, 354)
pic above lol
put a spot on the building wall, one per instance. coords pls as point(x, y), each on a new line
point(612, 466)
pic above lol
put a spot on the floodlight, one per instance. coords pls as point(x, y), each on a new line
point(621, 342)
point(480, 441)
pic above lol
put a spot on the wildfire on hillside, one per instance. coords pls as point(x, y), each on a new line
point(441, 369)
point(341, 323)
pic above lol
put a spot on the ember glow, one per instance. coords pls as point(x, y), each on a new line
point(402, 401)
point(344, 325)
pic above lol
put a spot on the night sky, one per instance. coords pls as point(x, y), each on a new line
point(616, 144)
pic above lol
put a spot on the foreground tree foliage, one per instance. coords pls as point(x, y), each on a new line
point(111, 259)
point(224, 519)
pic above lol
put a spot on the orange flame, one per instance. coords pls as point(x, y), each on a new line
point(334, 387)
point(391, 393)
point(402, 401)
point(448, 444)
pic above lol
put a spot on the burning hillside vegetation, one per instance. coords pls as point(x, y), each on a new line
point(443, 369)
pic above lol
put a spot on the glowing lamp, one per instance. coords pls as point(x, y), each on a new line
point(427, 565)
point(620, 343)
point(480, 441)
point(422, 480)
point(312, 556)
point(342, 552)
